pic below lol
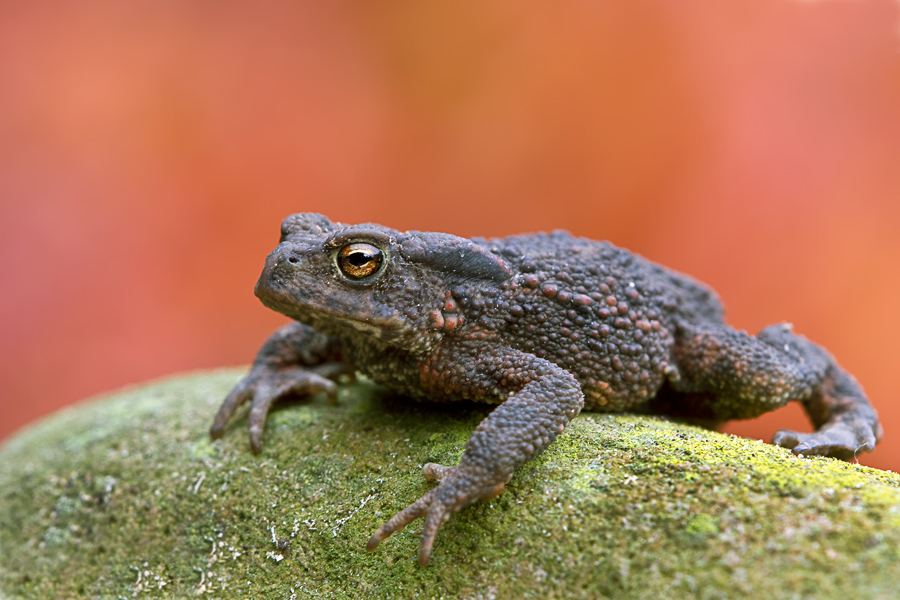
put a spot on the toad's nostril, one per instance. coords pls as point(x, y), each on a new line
point(293, 260)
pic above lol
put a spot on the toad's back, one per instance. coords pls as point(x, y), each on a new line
point(606, 315)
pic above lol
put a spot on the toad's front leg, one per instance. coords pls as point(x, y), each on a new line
point(541, 398)
point(294, 360)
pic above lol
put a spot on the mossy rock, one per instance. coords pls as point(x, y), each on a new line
point(127, 496)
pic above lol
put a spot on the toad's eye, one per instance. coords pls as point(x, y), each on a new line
point(358, 261)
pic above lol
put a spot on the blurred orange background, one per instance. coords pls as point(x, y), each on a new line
point(149, 150)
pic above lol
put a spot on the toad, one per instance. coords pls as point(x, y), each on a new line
point(540, 325)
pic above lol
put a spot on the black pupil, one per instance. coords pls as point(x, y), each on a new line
point(358, 261)
point(359, 258)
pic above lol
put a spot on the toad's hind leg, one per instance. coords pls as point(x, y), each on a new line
point(745, 376)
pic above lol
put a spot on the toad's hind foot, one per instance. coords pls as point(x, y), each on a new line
point(748, 376)
point(841, 440)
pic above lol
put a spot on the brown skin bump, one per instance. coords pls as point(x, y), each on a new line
point(541, 326)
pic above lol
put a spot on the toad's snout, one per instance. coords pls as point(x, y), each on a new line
point(284, 265)
point(285, 257)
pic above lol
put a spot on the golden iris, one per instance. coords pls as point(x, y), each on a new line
point(360, 260)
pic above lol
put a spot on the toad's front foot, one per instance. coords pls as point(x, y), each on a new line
point(843, 440)
point(459, 487)
point(264, 385)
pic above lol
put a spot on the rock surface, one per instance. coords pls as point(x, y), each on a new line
point(126, 496)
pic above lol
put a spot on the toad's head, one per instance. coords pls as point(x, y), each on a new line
point(372, 280)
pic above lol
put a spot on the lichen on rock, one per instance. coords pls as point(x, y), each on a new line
point(127, 496)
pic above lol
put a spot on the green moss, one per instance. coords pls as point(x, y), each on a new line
point(702, 526)
point(127, 496)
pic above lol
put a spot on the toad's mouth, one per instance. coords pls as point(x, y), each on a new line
point(309, 304)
